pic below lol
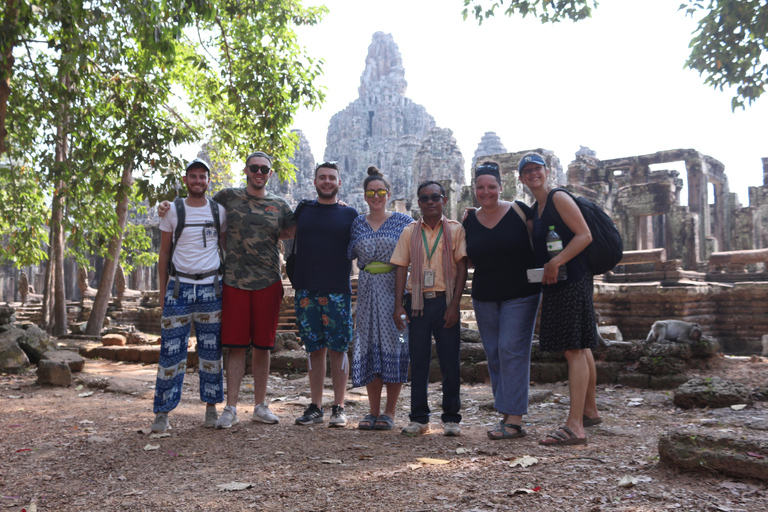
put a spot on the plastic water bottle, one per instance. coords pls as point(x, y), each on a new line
point(554, 247)
point(403, 333)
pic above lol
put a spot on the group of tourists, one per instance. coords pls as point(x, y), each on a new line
point(411, 278)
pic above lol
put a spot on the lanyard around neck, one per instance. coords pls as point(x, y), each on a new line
point(434, 247)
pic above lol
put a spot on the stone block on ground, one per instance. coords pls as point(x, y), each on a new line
point(667, 381)
point(471, 352)
point(711, 392)
point(136, 338)
point(635, 380)
point(481, 372)
point(660, 365)
point(549, 372)
point(12, 358)
point(470, 335)
point(610, 332)
point(71, 359)
point(36, 342)
point(78, 327)
point(55, 373)
point(607, 373)
point(113, 340)
point(706, 347)
point(694, 451)
point(668, 349)
point(290, 361)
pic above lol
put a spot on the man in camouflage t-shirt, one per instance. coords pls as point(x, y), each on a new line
point(253, 288)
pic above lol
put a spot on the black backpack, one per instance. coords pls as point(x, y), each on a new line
point(181, 215)
point(607, 248)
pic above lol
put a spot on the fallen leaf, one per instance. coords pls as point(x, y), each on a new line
point(99, 439)
point(415, 466)
point(15, 396)
point(434, 462)
point(280, 399)
point(524, 461)
point(235, 486)
point(755, 455)
point(78, 388)
point(151, 447)
point(24, 450)
point(738, 407)
point(279, 453)
point(145, 431)
point(331, 461)
point(133, 493)
point(84, 422)
point(463, 450)
point(627, 481)
point(87, 393)
point(522, 490)
point(160, 436)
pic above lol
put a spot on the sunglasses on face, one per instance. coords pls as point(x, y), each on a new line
point(263, 169)
point(432, 197)
point(381, 192)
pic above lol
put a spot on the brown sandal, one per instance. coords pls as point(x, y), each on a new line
point(560, 439)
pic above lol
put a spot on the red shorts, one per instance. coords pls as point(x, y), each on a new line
point(250, 316)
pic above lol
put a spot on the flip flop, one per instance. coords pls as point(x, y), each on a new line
point(568, 438)
point(367, 422)
point(503, 433)
point(591, 422)
point(384, 423)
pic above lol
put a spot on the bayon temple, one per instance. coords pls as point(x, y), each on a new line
point(705, 261)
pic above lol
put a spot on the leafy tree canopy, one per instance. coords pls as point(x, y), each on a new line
point(728, 47)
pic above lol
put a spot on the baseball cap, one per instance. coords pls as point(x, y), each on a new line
point(531, 158)
point(198, 161)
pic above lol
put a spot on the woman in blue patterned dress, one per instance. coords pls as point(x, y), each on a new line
point(379, 358)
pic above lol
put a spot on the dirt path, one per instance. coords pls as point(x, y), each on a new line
point(66, 452)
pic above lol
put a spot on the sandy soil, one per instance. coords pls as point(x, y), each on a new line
point(67, 452)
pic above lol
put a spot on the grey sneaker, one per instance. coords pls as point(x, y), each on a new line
point(338, 418)
point(451, 429)
point(414, 429)
point(228, 418)
point(262, 413)
point(210, 416)
point(313, 414)
point(161, 423)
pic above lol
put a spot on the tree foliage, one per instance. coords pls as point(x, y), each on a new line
point(729, 46)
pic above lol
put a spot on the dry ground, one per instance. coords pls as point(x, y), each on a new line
point(66, 452)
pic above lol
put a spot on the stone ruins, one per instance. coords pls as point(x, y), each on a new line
point(705, 261)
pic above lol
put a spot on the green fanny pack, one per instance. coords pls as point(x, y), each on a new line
point(378, 267)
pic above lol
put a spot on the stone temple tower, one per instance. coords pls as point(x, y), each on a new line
point(381, 127)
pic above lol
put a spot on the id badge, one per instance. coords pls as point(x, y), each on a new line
point(429, 278)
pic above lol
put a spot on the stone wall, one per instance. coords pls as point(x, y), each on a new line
point(735, 315)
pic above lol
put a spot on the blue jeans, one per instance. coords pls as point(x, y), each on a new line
point(196, 303)
point(506, 329)
point(448, 341)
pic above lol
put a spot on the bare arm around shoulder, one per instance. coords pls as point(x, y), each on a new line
point(452, 312)
point(166, 239)
point(572, 217)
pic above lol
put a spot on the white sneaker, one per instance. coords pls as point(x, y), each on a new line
point(210, 416)
point(228, 418)
point(451, 429)
point(415, 428)
point(161, 423)
point(262, 413)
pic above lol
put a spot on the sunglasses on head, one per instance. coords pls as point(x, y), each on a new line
point(263, 169)
point(432, 197)
point(381, 192)
point(487, 167)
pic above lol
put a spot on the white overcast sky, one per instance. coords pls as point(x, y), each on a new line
point(615, 82)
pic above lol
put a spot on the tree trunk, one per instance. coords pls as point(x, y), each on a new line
point(57, 229)
point(101, 302)
point(45, 321)
point(10, 26)
point(57, 260)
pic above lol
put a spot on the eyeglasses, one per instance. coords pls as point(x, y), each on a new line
point(432, 197)
point(263, 169)
point(381, 192)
